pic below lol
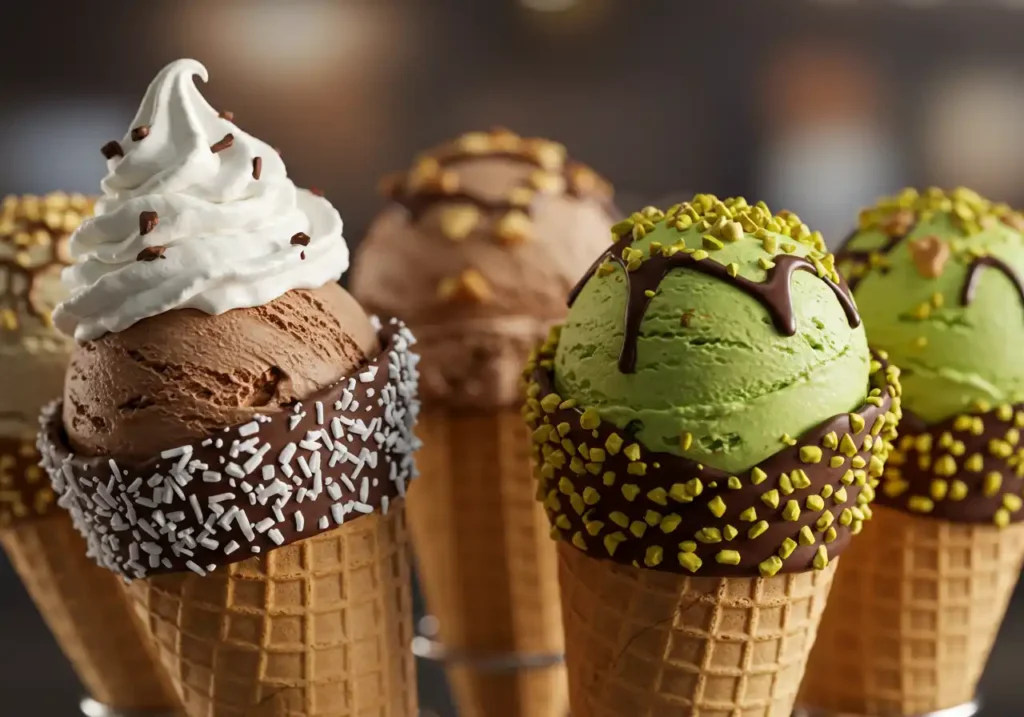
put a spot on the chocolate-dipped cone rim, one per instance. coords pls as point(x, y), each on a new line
point(611, 497)
point(25, 492)
point(965, 469)
point(342, 453)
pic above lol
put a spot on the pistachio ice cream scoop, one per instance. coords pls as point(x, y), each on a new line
point(709, 427)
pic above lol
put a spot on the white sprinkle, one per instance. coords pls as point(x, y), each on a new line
point(287, 470)
point(254, 462)
point(310, 445)
point(305, 467)
point(175, 452)
point(286, 454)
point(249, 429)
point(362, 507)
point(276, 536)
point(336, 428)
point(234, 470)
point(166, 563)
point(231, 547)
point(135, 485)
point(326, 438)
point(219, 443)
point(364, 490)
point(255, 549)
point(145, 503)
point(220, 497)
point(211, 477)
point(297, 408)
point(348, 483)
point(248, 446)
point(293, 421)
point(384, 504)
point(151, 548)
point(246, 487)
point(264, 525)
point(320, 413)
point(145, 525)
point(133, 552)
point(176, 517)
point(207, 442)
point(346, 400)
point(367, 376)
point(300, 521)
point(268, 472)
point(370, 392)
point(158, 516)
point(337, 513)
point(155, 481)
point(324, 523)
point(301, 495)
point(243, 523)
point(225, 520)
point(209, 543)
point(334, 490)
point(278, 515)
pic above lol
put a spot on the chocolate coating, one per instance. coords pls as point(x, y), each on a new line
point(351, 443)
point(631, 500)
point(967, 469)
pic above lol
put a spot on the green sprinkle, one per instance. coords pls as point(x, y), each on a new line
point(792, 511)
point(757, 529)
point(630, 491)
point(757, 476)
point(717, 506)
point(810, 454)
point(728, 557)
point(806, 536)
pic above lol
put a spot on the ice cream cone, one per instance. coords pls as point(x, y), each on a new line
point(487, 566)
point(85, 609)
point(317, 628)
point(651, 644)
point(917, 607)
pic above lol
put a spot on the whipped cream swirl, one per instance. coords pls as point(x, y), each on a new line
point(195, 214)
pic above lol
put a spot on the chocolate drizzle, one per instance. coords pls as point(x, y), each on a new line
point(431, 181)
point(860, 258)
point(775, 294)
point(974, 277)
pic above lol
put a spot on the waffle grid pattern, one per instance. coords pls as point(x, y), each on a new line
point(651, 644)
point(318, 628)
point(85, 609)
point(915, 611)
point(487, 564)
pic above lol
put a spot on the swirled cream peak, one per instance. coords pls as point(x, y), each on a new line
point(197, 214)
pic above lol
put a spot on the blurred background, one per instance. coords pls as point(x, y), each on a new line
point(814, 105)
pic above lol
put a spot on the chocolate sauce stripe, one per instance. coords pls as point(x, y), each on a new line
point(697, 515)
point(347, 449)
point(974, 277)
point(25, 491)
point(775, 294)
point(908, 487)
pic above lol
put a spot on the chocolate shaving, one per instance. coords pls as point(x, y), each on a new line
point(151, 253)
point(300, 239)
point(147, 222)
point(140, 132)
point(257, 167)
point(112, 149)
point(302, 255)
point(223, 143)
point(227, 114)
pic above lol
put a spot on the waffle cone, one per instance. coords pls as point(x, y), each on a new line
point(916, 609)
point(85, 609)
point(318, 628)
point(488, 568)
point(645, 643)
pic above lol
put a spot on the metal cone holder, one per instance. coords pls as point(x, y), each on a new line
point(426, 647)
point(92, 708)
point(969, 709)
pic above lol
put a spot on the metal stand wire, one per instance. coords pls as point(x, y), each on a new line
point(425, 647)
point(92, 708)
point(969, 709)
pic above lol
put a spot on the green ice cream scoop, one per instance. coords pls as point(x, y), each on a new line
point(717, 331)
point(937, 278)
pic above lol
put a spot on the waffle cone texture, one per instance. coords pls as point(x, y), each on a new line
point(486, 562)
point(318, 628)
point(645, 643)
point(917, 606)
point(85, 609)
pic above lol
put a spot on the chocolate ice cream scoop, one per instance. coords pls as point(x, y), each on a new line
point(484, 238)
point(184, 374)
